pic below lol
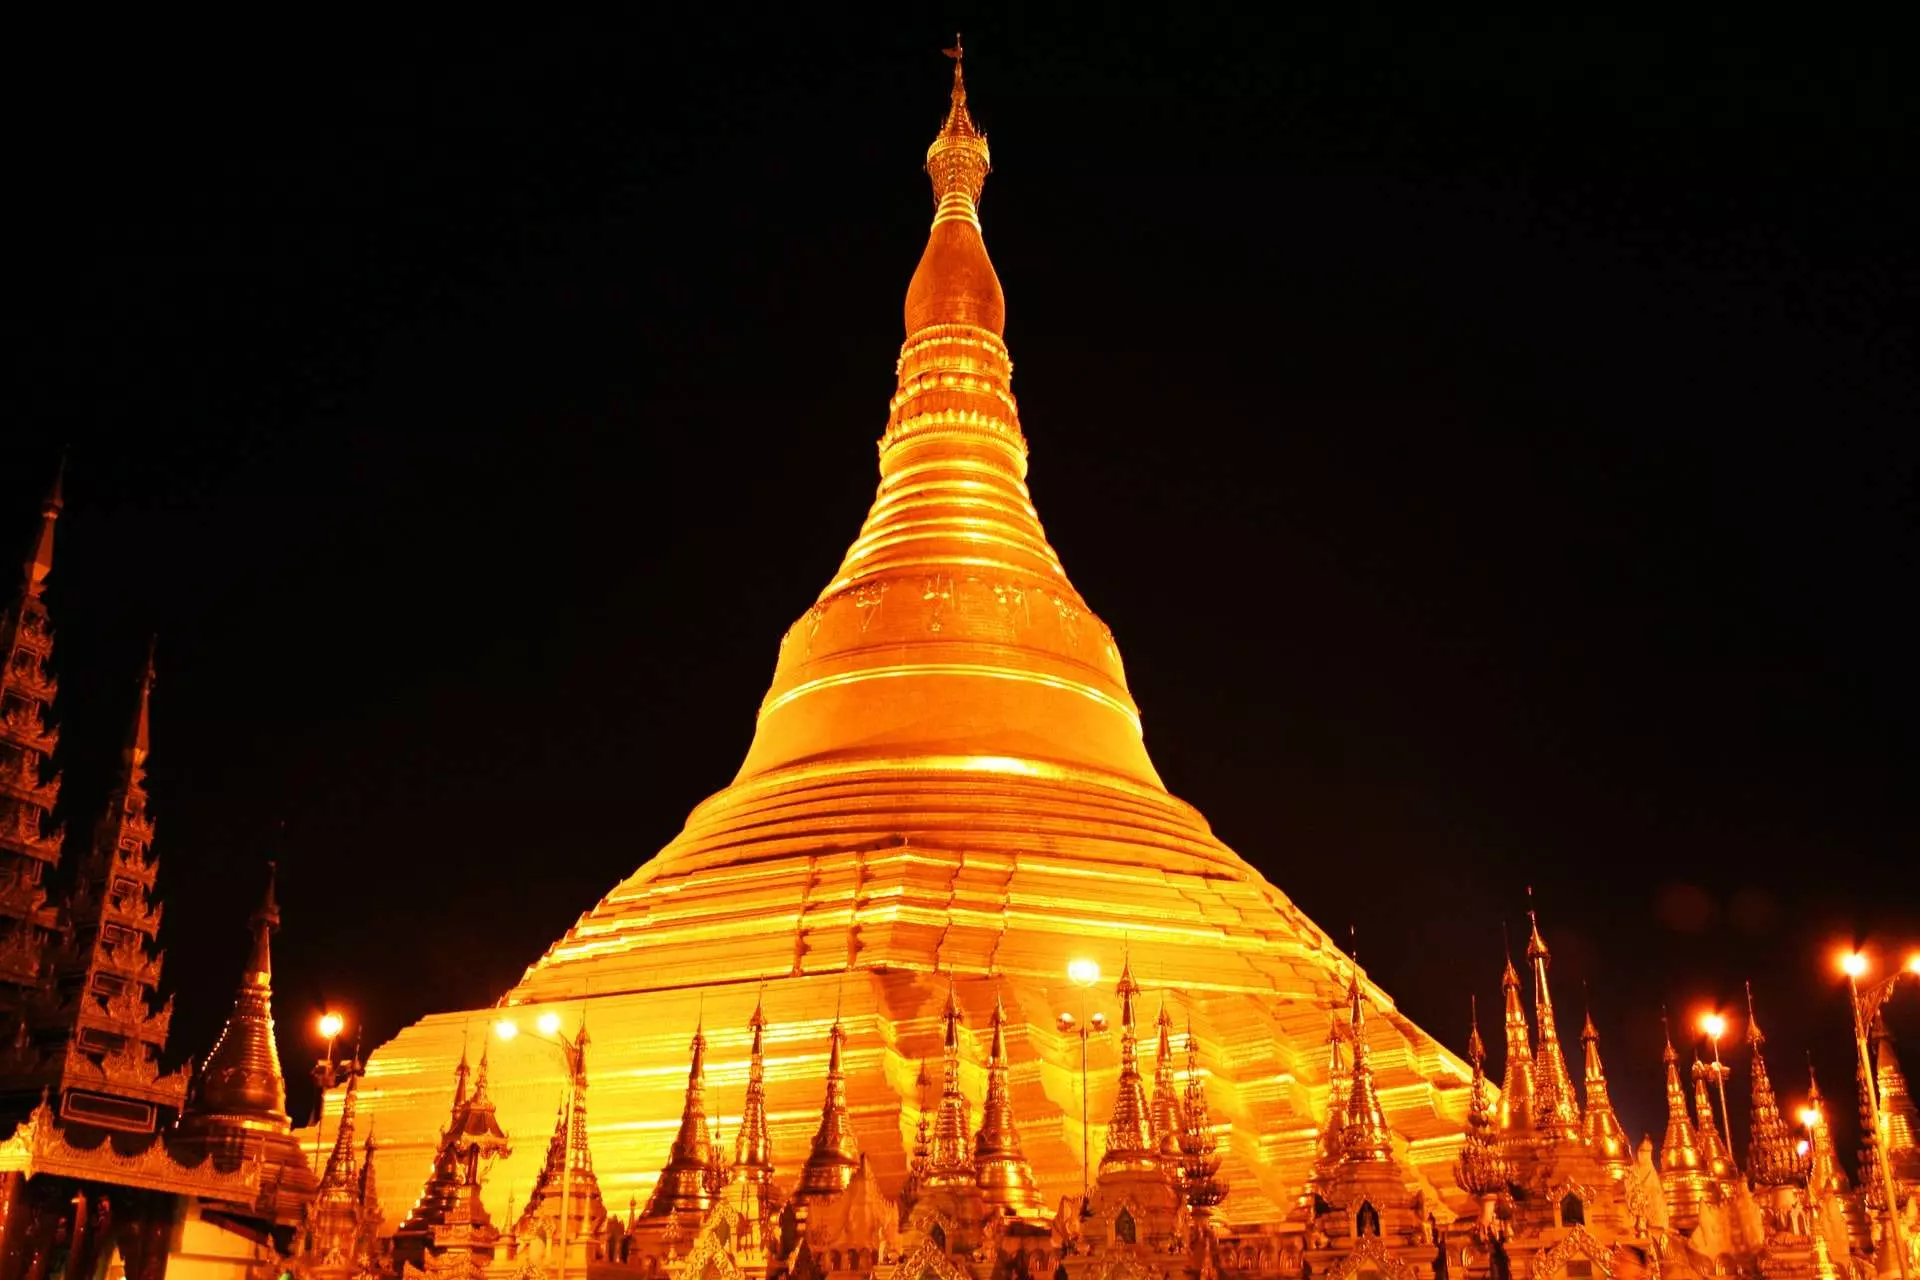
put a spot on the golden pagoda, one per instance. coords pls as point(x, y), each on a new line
point(947, 784)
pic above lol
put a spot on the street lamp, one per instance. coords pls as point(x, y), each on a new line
point(548, 1032)
point(1083, 974)
point(1716, 1026)
point(330, 1025)
point(1866, 1006)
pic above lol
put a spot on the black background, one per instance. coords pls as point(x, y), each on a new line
point(1493, 446)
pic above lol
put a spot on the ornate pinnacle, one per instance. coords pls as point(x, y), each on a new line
point(1678, 1150)
point(1481, 1170)
point(242, 1073)
point(835, 1155)
point(1166, 1097)
point(683, 1185)
point(1896, 1104)
point(340, 1175)
point(1333, 1135)
point(1005, 1178)
point(753, 1146)
point(1199, 1158)
point(1554, 1110)
point(1771, 1157)
point(950, 1159)
point(1598, 1122)
point(1824, 1174)
point(1718, 1159)
point(1367, 1136)
point(1129, 1144)
point(1516, 1113)
point(958, 161)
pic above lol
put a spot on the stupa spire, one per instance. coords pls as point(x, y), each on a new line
point(958, 161)
point(1824, 1174)
point(341, 1173)
point(1597, 1119)
point(835, 1155)
point(242, 1075)
point(1683, 1172)
point(950, 1158)
point(684, 1182)
point(1129, 1141)
point(753, 1145)
point(1516, 1113)
point(1481, 1170)
point(110, 954)
point(1367, 1136)
point(1771, 1155)
point(565, 1204)
point(238, 1105)
point(29, 843)
point(951, 629)
point(1706, 1128)
point(1896, 1104)
point(1555, 1111)
point(1333, 1135)
point(1166, 1094)
point(922, 1138)
point(1199, 1149)
point(1005, 1177)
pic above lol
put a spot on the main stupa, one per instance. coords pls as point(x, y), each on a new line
point(947, 784)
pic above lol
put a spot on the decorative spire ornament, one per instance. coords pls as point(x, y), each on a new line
point(1772, 1157)
point(1825, 1177)
point(1199, 1149)
point(1516, 1113)
point(684, 1185)
point(753, 1145)
point(1129, 1141)
point(1333, 1134)
point(565, 1205)
point(1597, 1121)
point(1482, 1171)
point(29, 843)
point(1166, 1094)
point(238, 1104)
point(1683, 1173)
point(1713, 1152)
point(1896, 1105)
point(1553, 1101)
point(1004, 1176)
point(950, 1157)
point(835, 1155)
point(1367, 1136)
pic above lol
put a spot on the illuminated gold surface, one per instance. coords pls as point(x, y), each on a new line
point(947, 777)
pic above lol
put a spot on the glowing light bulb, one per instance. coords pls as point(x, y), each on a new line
point(1809, 1116)
point(506, 1029)
point(1853, 964)
point(331, 1025)
point(1913, 963)
point(1713, 1024)
point(1083, 973)
point(1802, 1146)
point(548, 1022)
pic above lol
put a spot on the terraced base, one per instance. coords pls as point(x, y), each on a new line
point(862, 889)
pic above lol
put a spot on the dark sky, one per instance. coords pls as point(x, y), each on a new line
point(1493, 447)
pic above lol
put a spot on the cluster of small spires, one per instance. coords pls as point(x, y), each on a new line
point(1170, 1132)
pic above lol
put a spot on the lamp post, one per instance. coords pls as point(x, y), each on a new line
point(549, 1032)
point(1083, 974)
point(330, 1026)
point(1716, 1026)
point(1866, 1005)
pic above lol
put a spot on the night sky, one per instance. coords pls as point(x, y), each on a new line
point(1493, 448)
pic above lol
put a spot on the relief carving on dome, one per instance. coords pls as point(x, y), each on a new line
point(937, 592)
point(1069, 614)
point(1012, 596)
point(867, 598)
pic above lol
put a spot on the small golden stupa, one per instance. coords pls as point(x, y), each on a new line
point(947, 790)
